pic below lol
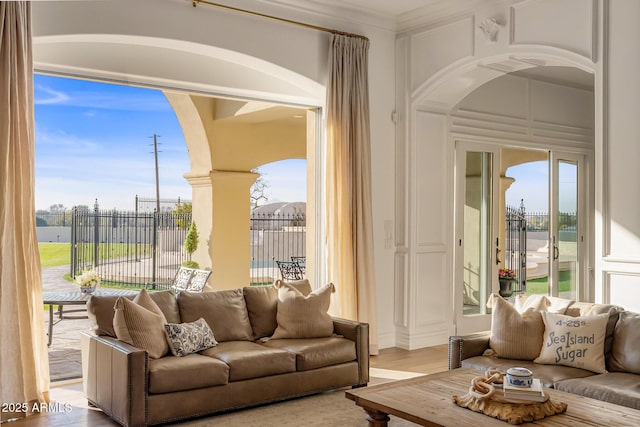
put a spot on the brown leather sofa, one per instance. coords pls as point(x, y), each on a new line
point(136, 390)
point(619, 385)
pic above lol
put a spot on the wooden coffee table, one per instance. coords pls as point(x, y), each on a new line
point(427, 401)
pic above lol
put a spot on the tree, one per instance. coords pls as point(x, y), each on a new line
point(258, 190)
point(58, 207)
point(191, 244)
point(182, 214)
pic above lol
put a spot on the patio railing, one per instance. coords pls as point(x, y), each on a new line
point(275, 237)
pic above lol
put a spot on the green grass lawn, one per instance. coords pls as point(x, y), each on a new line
point(54, 254)
point(541, 285)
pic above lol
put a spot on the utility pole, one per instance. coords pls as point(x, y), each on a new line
point(155, 217)
point(155, 153)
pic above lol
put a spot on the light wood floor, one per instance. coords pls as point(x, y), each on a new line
point(423, 361)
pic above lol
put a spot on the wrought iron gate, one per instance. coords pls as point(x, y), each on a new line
point(516, 245)
point(129, 248)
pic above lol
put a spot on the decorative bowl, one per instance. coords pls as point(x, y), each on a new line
point(519, 377)
point(87, 289)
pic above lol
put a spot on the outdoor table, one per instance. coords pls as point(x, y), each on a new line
point(74, 298)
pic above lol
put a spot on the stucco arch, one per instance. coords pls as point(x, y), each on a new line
point(160, 62)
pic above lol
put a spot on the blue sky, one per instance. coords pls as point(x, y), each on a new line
point(93, 141)
point(532, 185)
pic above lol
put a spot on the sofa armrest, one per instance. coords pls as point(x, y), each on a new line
point(357, 332)
point(115, 378)
point(461, 348)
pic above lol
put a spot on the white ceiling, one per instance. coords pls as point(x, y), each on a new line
point(397, 15)
point(383, 7)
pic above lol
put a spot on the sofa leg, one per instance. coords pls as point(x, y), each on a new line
point(358, 386)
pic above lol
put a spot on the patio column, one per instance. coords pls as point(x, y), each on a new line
point(229, 245)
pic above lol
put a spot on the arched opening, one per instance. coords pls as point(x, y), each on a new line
point(508, 110)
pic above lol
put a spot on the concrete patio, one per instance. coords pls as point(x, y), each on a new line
point(64, 352)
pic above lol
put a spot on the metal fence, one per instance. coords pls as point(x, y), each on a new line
point(53, 219)
point(149, 205)
point(539, 221)
point(129, 248)
point(275, 237)
point(146, 249)
point(516, 245)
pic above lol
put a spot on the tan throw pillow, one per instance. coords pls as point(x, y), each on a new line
point(141, 323)
point(262, 305)
point(574, 341)
point(302, 316)
point(542, 303)
point(625, 356)
point(515, 335)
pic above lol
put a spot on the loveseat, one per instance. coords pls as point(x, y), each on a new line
point(251, 364)
point(612, 374)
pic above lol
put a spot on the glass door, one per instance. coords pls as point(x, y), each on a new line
point(565, 231)
point(476, 237)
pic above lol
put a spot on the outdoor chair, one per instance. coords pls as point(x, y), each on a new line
point(198, 280)
point(190, 280)
point(302, 263)
point(290, 270)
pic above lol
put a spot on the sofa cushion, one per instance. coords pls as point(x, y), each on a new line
point(187, 338)
point(224, 311)
point(574, 341)
point(166, 301)
point(614, 387)
point(548, 374)
point(625, 354)
point(515, 335)
point(302, 316)
point(313, 353)
point(100, 310)
point(250, 360)
point(193, 371)
point(262, 305)
point(141, 323)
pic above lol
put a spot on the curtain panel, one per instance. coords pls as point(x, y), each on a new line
point(349, 222)
point(24, 363)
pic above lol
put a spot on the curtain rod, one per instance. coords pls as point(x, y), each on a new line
point(289, 21)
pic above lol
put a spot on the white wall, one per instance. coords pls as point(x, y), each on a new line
point(618, 248)
point(170, 44)
point(440, 64)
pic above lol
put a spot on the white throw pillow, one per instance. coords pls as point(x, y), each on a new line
point(574, 341)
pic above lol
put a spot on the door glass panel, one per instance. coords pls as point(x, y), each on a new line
point(566, 251)
point(478, 244)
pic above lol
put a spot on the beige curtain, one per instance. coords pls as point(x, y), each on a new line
point(349, 223)
point(24, 363)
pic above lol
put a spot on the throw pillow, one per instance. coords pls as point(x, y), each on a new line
point(262, 305)
point(187, 338)
point(542, 303)
point(574, 341)
point(515, 335)
point(100, 310)
point(140, 324)
point(302, 316)
point(624, 355)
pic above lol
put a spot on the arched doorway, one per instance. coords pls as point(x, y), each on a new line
point(481, 109)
